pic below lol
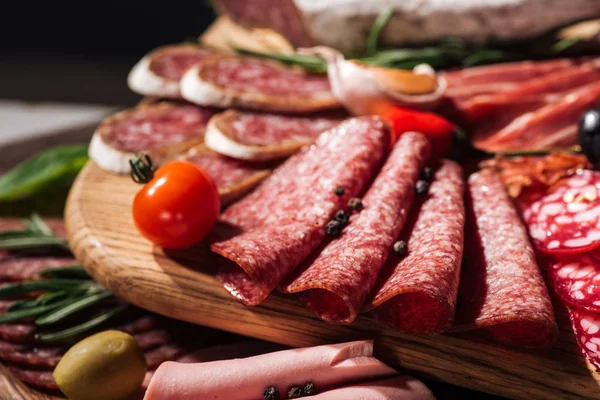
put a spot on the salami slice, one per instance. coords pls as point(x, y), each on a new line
point(158, 73)
point(162, 130)
point(576, 279)
point(335, 283)
point(270, 232)
point(256, 84)
point(501, 288)
point(39, 378)
point(417, 293)
point(263, 136)
point(567, 218)
point(20, 268)
point(586, 326)
point(38, 356)
point(233, 178)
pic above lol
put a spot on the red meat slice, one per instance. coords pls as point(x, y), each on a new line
point(586, 326)
point(576, 279)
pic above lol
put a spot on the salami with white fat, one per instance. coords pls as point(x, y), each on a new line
point(417, 293)
point(501, 288)
point(576, 279)
point(162, 130)
point(586, 327)
point(566, 219)
point(158, 73)
point(335, 282)
point(256, 84)
point(266, 235)
point(264, 136)
point(21, 268)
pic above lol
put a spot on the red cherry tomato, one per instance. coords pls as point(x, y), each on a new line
point(178, 207)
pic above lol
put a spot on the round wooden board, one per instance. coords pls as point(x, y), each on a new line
point(179, 284)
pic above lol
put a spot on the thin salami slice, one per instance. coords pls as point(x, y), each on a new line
point(38, 378)
point(270, 232)
point(263, 136)
point(37, 356)
point(158, 73)
point(162, 130)
point(576, 279)
point(167, 352)
point(586, 326)
point(335, 282)
point(256, 84)
point(18, 333)
point(233, 178)
point(566, 219)
point(501, 288)
point(21, 268)
point(417, 293)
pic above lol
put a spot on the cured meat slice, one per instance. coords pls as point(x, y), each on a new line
point(233, 178)
point(37, 356)
point(19, 268)
point(501, 288)
point(18, 333)
point(159, 355)
point(39, 378)
point(270, 232)
point(396, 388)
point(417, 293)
point(575, 279)
point(263, 136)
point(566, 218)
point(325, 366)
point(162, 130)
point(158, 73)
point(335, 282)
point(256, 84)
point(586, 326)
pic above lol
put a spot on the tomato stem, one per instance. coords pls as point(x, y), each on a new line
point(142, 170)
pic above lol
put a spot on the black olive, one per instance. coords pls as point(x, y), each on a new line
point(589, 135)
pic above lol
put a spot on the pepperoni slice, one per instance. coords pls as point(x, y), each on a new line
point(576, 280)
point(567, 218)
point(586, 326)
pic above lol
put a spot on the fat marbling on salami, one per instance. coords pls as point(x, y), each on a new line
point(335, 283)
point(417, 293)
point(266, 235)
point(501, 288)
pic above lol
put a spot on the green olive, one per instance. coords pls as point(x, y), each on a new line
point(106, 366)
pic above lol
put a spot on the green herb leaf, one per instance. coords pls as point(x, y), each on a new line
point(31, 312)
point(20, 289)
point(73, 308)
point(36, 224)
point(27, 240)
point(310, 63)
point(565, 44)
point(50, 167)
point(68, 272)
point(483, 56)
point(83, 327)
point(380, 22)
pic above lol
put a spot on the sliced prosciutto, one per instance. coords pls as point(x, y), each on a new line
point(325, 366)
point(264, 136)
point(256, 84)
point(501, 288)
point(162, 130)
point(586, 327)
point(233, 178)
point(565, 219)
point(335, 282)
point(158, 73)
point(576, 279)
point(417, 293)
point(270, 232)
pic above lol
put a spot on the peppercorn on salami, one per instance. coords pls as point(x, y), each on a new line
point(335, 283)
point(266, 235)
point(417, 293)
point(501, 287)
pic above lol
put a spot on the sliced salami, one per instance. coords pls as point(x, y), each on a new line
point(270, 232)
point(18, 333)
point(566, 219)
point(576, 279)
point(159, 72)
point(162, 130)
point(501, 288)
point(233, 178)
point(417, 293)
point(335, 282)
point(256, 84)
point(586, 327)
point(39, 378)
point(263, 136)
point(38, 356)
point(167, 352)
point(21, 268)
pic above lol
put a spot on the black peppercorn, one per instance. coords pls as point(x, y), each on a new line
point(427, 174)
point(342, 217)
point(421, 188)
point(309, 389)
point(355, 204)
point(334, 228)
point(271, 394)
point(339, 191)
point(400, 248)
point(295, 392)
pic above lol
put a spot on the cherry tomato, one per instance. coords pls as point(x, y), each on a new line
point(178, 207)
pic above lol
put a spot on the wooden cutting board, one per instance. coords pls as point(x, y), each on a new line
point(179, 284)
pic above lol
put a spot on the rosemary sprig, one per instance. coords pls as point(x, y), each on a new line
point(380, 22)
point(35, 235)
point(23, 288)
point(310, 63)
point(32, 311)
point(68, 272)
point(72, 308)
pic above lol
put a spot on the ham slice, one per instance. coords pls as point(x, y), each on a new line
point(247, 378)
point(264, 136)
point(396, 388)
point(256, 84)
point(270, 232)
point(335, 283)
